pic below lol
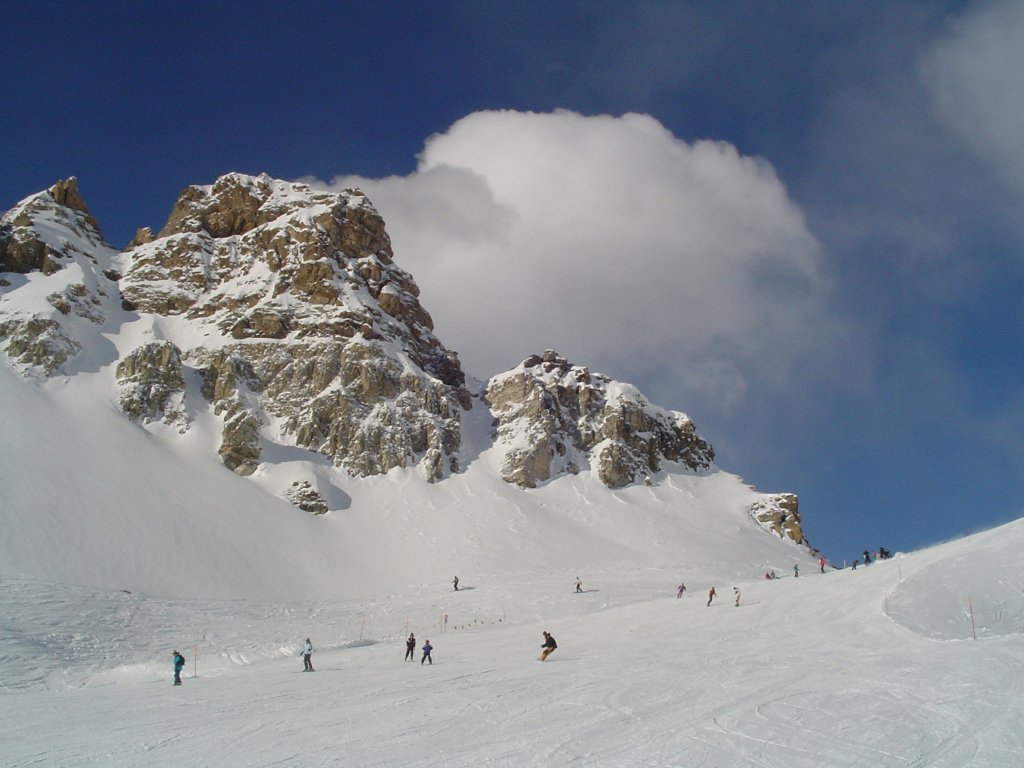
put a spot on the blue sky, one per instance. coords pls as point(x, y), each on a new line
point(797, 222)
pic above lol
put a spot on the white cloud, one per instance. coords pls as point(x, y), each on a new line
point(610, 240)
point(976, 77)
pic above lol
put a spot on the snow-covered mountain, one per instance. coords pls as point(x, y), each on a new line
point(268, 329)
point(242, 432)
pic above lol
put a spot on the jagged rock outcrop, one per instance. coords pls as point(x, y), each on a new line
point(280, 309)
point(307, 498)
point(780, 514)
point(328, 343)
point(553, 417)
point(52, 233)
point(152, 383)
point(25, 247)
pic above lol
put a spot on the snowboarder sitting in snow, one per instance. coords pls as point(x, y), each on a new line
point(427, 648)
point(307, 654)
point(548, 646)
point(179, 664)
point(410, 648)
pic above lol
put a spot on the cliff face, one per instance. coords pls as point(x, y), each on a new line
point(316, 334)
point(554, 417)
point(277, 313)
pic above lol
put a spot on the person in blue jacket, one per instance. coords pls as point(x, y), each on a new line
point(179, 664)
point(427, 648)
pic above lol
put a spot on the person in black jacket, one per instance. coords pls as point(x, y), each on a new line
point(410, 648)
point(548, 646)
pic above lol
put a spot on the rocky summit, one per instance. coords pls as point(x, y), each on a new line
point(554, 417)
point(276, 312)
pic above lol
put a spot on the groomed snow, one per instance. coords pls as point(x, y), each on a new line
point(842, 669)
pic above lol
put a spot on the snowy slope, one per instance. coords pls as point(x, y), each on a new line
point(96, 500)
point(868, 668)
point(122, 540)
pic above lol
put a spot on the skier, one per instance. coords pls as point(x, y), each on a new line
point(307, 653)
point(179, 664)
point(427, 648)
point(821, 564)
point(867, 557)
point(711, 595)
point(679, 593)
point(455, 581)
point(736, 592)
point(549, 645)
point(856, 562)
point(410, 648)
point(579, 585)
point(796, 570)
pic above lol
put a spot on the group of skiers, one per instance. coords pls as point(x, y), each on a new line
point(712, 594)
point(549, 644)
point(410, 650)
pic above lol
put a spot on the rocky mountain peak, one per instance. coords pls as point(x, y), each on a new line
point(314, 327)
point(43, 232)
point(554, 417)
point(277, 312)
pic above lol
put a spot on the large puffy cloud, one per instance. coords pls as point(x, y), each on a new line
point(683, 267)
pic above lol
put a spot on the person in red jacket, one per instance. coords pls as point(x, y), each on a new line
point(711, 595)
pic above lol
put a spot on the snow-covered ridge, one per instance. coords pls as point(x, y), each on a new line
point(268, 329)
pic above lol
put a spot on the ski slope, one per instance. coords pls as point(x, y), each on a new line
point(869, 668)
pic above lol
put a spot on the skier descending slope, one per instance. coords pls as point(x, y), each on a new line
point(711, 595)
point(549, 645)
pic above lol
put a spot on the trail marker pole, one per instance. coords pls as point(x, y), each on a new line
point(362, 627)
point(970, 607)
point(195, 658)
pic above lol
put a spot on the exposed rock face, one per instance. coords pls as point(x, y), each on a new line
point(38, 342)
point(331, 348)
point(780, 513)
point(24, 248)
point(152, 383)
point(554, 417)
point(304, 496)
point(52, 233)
